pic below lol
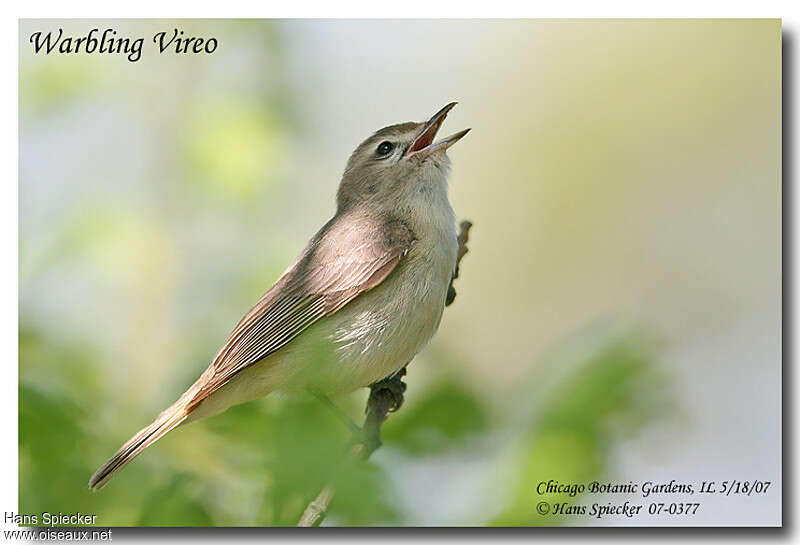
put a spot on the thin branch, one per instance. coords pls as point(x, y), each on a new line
point(315, 511)
point(385, 396)
point(463, 238)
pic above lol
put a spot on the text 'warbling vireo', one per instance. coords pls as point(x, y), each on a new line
point(360, 301)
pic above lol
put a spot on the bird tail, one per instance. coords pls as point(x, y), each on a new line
point(166, 421)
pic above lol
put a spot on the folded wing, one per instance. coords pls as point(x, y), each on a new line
point(347, 257)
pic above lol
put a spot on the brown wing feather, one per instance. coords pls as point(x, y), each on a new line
point(348, 256)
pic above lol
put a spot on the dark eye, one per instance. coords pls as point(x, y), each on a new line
point(385, 148)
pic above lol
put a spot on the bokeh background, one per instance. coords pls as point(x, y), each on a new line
point(618, 315)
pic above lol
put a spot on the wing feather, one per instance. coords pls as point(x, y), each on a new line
point(348, 256)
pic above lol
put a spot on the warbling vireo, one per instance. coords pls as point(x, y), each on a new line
point(369, 289)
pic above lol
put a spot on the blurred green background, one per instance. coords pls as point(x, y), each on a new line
point(618, 315)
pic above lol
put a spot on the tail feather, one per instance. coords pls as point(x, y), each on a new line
point(166, 421)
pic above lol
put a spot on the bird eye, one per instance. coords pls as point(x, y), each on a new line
point(385, 148)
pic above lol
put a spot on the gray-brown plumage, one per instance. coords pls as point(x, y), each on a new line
point(360, 301)
point(345, 258)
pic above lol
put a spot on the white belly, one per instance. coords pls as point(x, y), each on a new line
point(387, 327)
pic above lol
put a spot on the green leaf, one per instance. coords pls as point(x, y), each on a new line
point(614, 392)
point(173, 505)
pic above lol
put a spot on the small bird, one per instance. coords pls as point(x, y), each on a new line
point(361, 300)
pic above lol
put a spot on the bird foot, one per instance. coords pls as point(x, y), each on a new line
point(389, 392)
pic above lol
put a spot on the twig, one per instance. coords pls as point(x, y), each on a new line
point(315, 511)
point(463, 238)
point(385, 396)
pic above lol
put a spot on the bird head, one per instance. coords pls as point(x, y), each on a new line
point(398, 163)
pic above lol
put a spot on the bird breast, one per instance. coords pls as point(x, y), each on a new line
point(382, 330)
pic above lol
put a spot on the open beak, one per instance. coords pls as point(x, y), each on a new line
point(423, 145)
